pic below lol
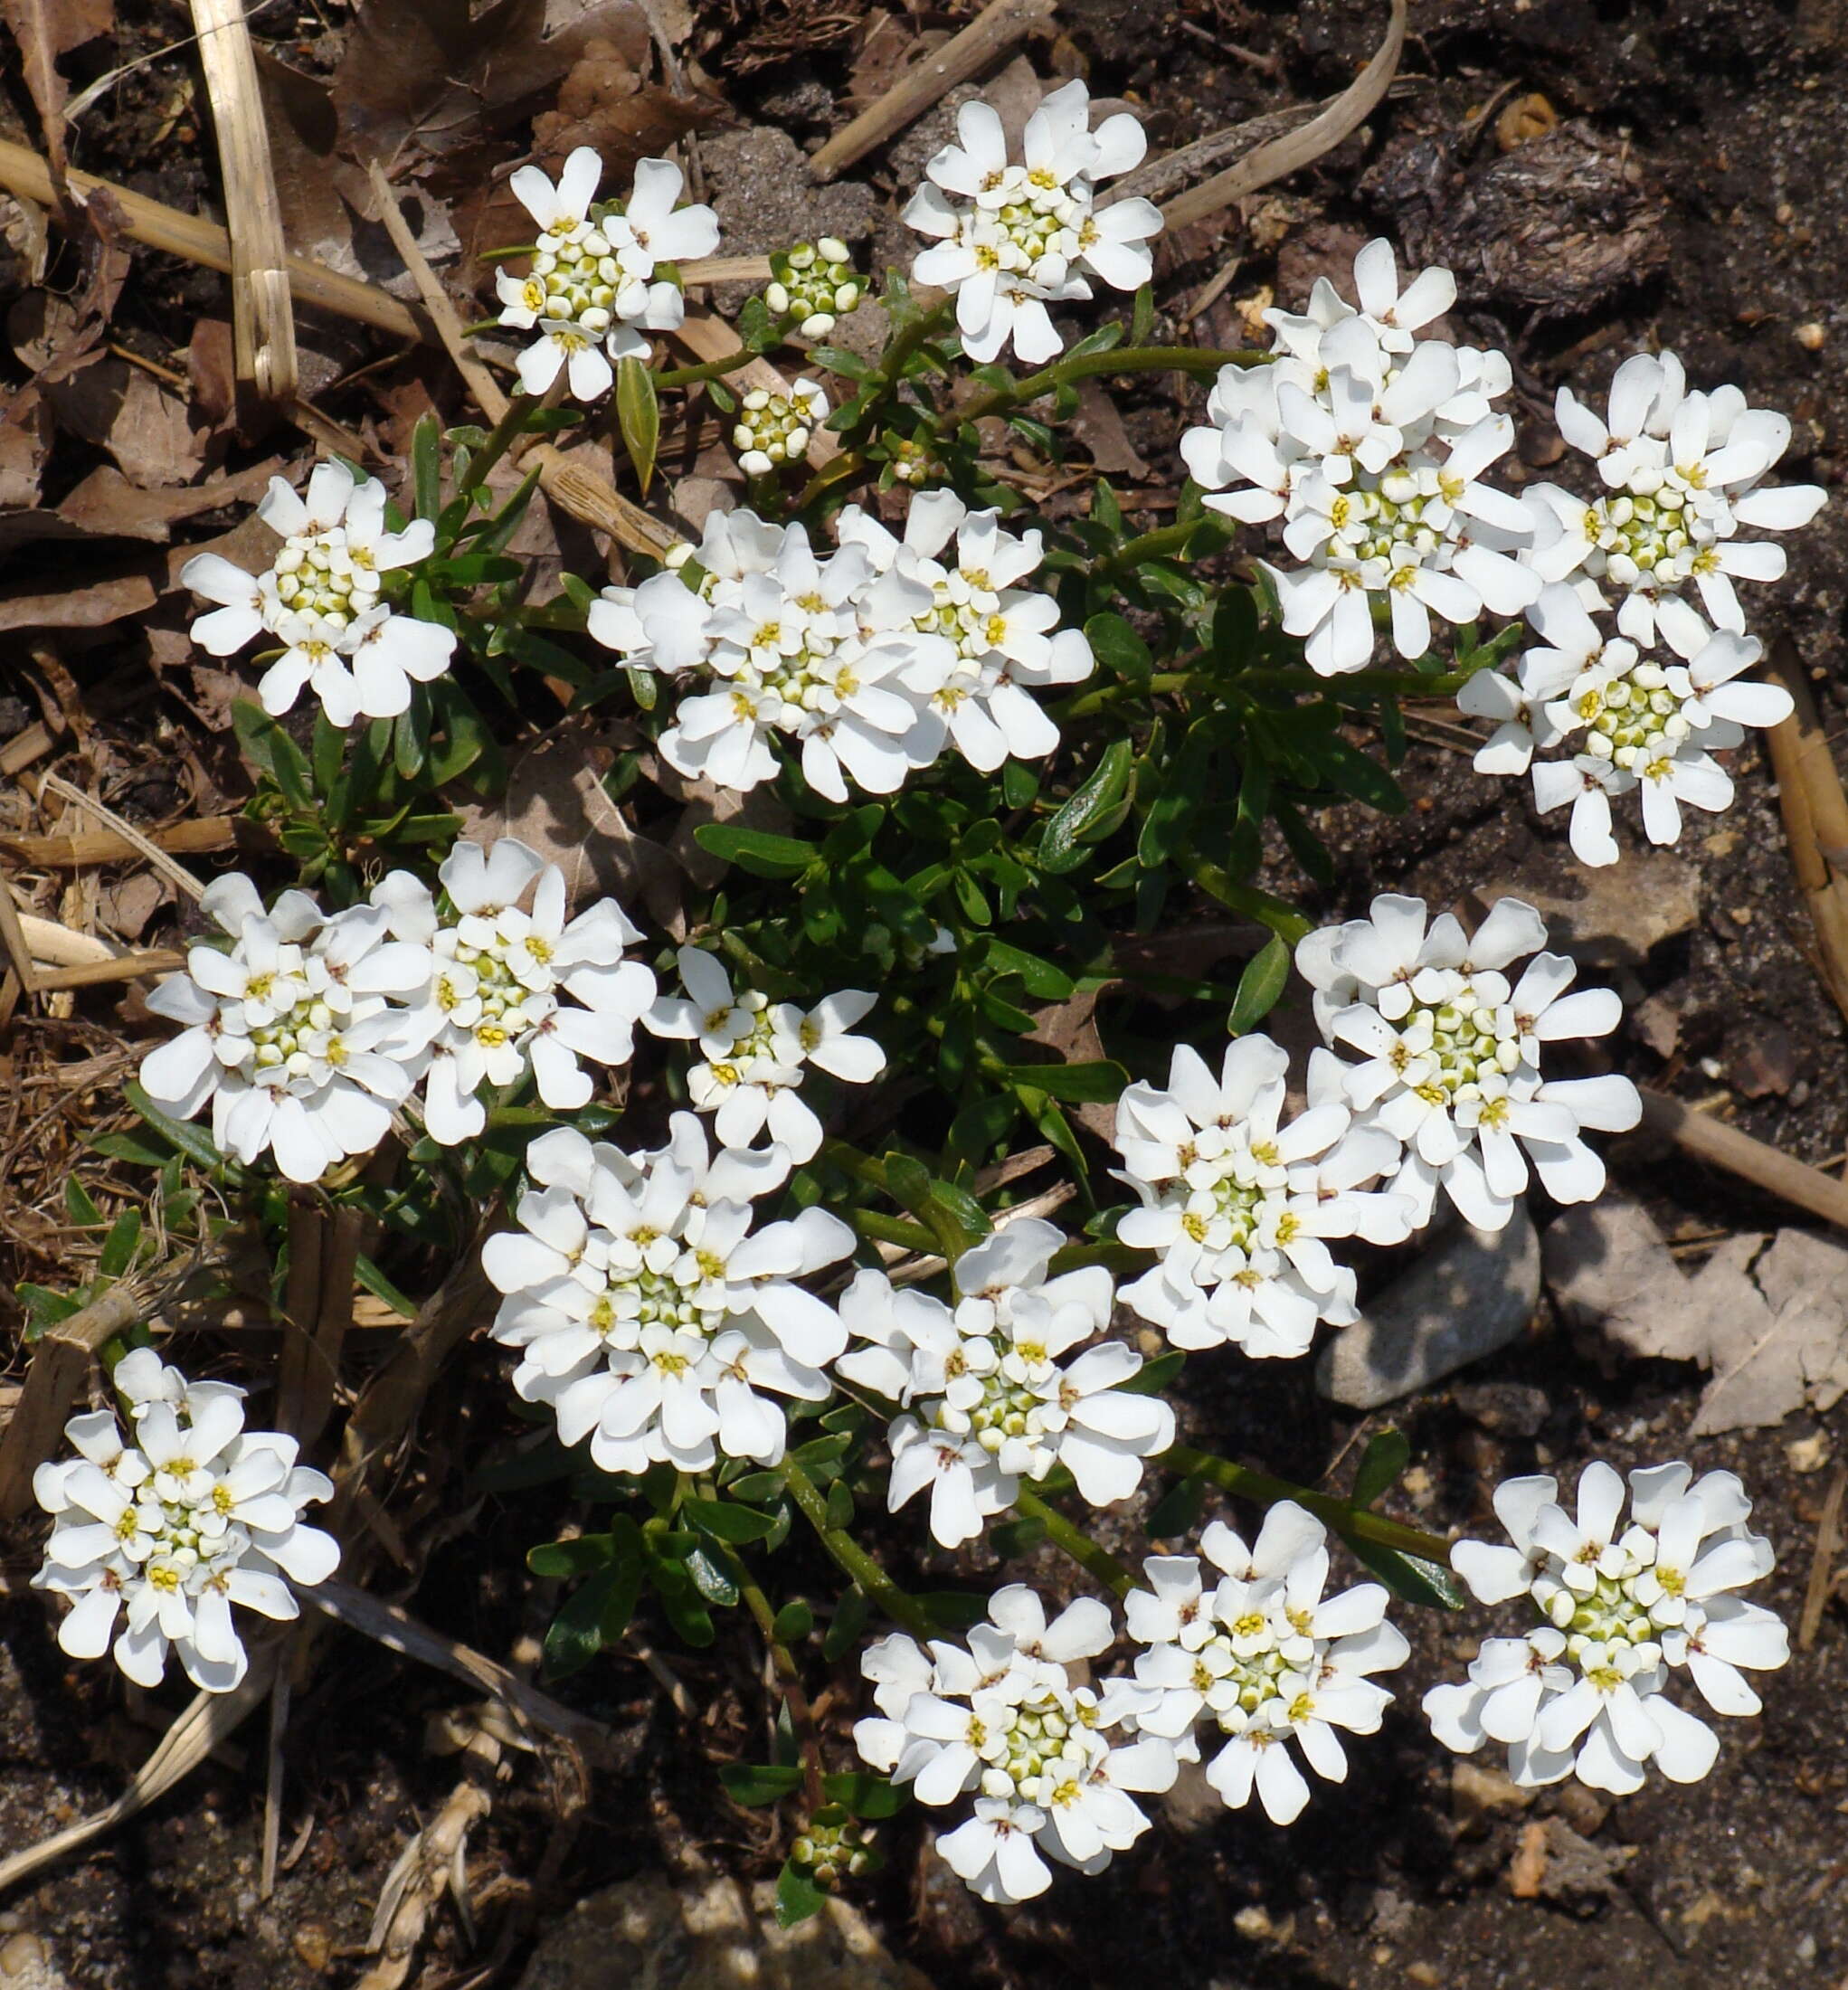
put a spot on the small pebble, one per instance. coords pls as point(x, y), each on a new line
point(23, 1955)
point(1807, 1454)
point(1811, 337)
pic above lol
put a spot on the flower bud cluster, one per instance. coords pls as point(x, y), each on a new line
point(814, 283)
point(774, 430)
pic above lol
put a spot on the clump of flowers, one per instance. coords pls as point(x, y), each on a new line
point(988, 1400)
point(321, 598)
point(1452, 1052)
point(871, 658)
point(509, 989)
point(172, 1527)
point(1368, 446)
point(1002, 1718)
point(1683, 472)
point(754, 1051)
point(1262, 1659)
point(1622, 1607)
point(294, 1034)
point(774, 430)
point(1009, 239)
point(815, 283)
point(651, 1317)
point(601, 274)
point(1240, 1207)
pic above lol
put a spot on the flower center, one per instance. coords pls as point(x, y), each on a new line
point(1641, 541)
point(317, 573)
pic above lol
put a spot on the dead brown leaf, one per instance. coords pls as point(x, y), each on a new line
point(106, 505)
point(25, 442)
point(555, 804)
point(1099, 427)
point(92, 607)
point(45, 30)
point(606, 103)
point(126, 907)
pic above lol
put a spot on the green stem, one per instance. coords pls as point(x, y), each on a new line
point(1122, 359)
point(1283, 919)
point(789, 1681)
point(1352, 1523)
point(1073, 1541)
point(891, 1229)
point(507, 430)
point(1119, 1257)
point(709, 369)
point(850, 1558)
point(1151, 545)
point(1446, 684)
point(1160, 684)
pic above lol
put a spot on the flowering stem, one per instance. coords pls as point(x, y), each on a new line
point(789, 1681)
point(1445, 684)
point(505, 432)
point(1153, 545)
point(1122, 359)
point(1074, 1541)
point(851, 1558)
point(891, 1229)
point(709, 369)
point(1352, 1523)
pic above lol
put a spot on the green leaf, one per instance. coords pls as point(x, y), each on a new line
point(793, 1623)
point(1351, 771)
point(426, 466)
point(1061, 843)
point(798, 1898)
point(1410, 1576)
point(44, 1308)
point(756, 850)
point(639, 413)
point(1095, 1084)
point(273, 751)
point(712, 1578)
point(565, 1558)
point(120, 1245)
point(852, 1615)
point(1265, 976)
point(840, 1504)
point(1178, 1511)
point(594, 1615)
point(1178, 798)
point(1153, 1376)
point(374, 1281)
point(839, 360)
point(78, 1205)
point(181, 1133)
point(982, 1123)
point(757, 1783)
point(865, 1795)
point(329, 752)
point(1118, 648)
point(1385, 1457)
point(727, 1523)
point(1012, 1539)
point(1040, 979)
point(952, 1610)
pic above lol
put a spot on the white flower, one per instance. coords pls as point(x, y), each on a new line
point(1451, 1053)
point(1239, 1206)
point(1004, 1720)
point(1683, 473)
point(1571, 644)
point(1263, 1659)
point(776, 428)
point(1624, 1606)
point(592, 289)
point(293, 1035)
point(753, 1052)
point(1371, 445)
point(650, 1315)
point(1009, 239)
point(987, 1402)
point(321, 598)
point(976, 640)
point(507, 990)
point(168, 1527)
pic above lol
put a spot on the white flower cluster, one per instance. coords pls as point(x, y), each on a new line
point(507, 990)
point(1368, 445)
point(172, 1525)
point(312, 1031)
point(1004, 1720)
point(293, 1035)
point(649, 1314)
point(1623, 1606)
point(871, 658)
point(753, 1053)
point(1010, 239)
point(1239, 1206)
point(596, 282)
point(1453, 1051)
point(774, 430)
point(1263, 1660)
point(320, 599)
point(987, 1399)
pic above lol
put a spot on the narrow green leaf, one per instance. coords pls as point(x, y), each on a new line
point(374, 1281)
point(639, 413)
point(181, 1133)
point(1265, 976)
point(725, 1522)
point(852, 1615)
point(1386, 1456)
point(1095, 1084)
point(426, 465)
point(1410, 1576)
point(865, 1795)
point(756, 850)
point(565, 1558)
point(1178, 1511)
point(78, 1205)
point(1153, 1376)
point(1060, 847)
point(798, 1898)
point(793, 1623)
point(1117, 647)
point(120, 1245)
point(757, 1783)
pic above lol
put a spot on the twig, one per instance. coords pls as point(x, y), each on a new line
point(34, 743)
point(272, 1780)
point(169, 867)
point(1821, 1565)
point(197, 838)
point(1754, 1161)
point(60, 1365)
point(262, 318)
point(1282, 157)
point(121, 967)
point(1002, 26)
point(1816, 816)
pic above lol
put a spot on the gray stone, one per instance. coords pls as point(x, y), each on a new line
point(1471, 1293)
point(646, 1934)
